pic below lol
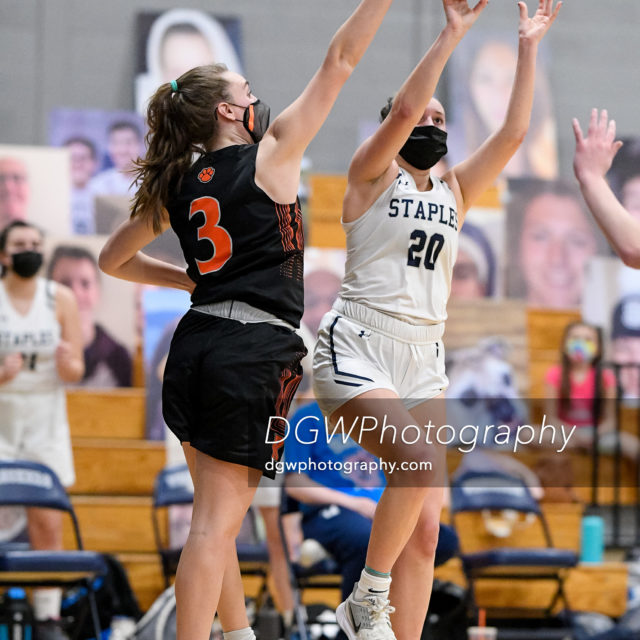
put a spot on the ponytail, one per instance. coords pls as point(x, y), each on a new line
point(181, 123)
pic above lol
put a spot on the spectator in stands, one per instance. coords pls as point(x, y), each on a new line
point(338, 505)
point(580, 391)
point(84, 163)
point(107, 362)
point(124, 146)
point(40, 351)
point(14, 190)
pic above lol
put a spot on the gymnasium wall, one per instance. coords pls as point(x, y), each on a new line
point(79, 53)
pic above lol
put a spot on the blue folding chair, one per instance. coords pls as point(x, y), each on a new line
point(324, 574)
point(173, 486)
point(29, 484)
point(496, 491)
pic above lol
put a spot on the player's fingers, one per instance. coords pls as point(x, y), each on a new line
point(603, 123)
point(480, 6)
point(577, 131)
point(523, 11)
point(593, 122)
point(554, 15)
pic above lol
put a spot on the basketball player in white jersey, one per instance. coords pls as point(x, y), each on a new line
point(40, 350)
point(379, 351)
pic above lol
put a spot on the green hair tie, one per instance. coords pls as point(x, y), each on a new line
point(174, 85)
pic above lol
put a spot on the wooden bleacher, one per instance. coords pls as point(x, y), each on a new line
point(115, 470)
point(116, 467)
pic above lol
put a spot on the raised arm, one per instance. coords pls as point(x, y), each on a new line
point(376, 155)
point(121, 257)
point(284, 143)
point(593, 157)
point(476, 174)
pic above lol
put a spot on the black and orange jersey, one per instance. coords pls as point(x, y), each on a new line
point(238, 243)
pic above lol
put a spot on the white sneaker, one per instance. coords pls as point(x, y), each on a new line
point(366, 619)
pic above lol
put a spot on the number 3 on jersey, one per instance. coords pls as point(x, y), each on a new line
point(210, 230)
point(436, 242)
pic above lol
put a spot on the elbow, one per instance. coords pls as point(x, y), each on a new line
point(339, 65)
point(106, 263)
point(76, 376)
point(403, 110)
point(514, 136)
point(630, 255)
point(72, 374)
point(519, 136)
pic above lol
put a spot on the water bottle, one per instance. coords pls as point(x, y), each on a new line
point(592, 544)
point(17, 623)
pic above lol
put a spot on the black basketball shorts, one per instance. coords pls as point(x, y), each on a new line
point(225, 382)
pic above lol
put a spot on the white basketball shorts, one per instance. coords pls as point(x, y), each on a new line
point(35, 428)
point(360, 349)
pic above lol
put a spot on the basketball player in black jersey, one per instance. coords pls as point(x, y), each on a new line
point(234, 358)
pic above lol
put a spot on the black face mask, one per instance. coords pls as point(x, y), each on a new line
point(425, 146)
point(26, 263)
point(256, 119)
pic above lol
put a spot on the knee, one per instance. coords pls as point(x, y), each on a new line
point(45, 529)
point(424, 540)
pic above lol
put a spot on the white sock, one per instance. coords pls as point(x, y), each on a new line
point(240, 634)
point(369, 584)
point(46, 604)
point(287, 618)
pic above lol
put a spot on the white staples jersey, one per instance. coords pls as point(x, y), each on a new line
point(35, 335)
point(401, 252)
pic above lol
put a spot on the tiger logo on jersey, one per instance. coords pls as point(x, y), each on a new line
point(206, 174)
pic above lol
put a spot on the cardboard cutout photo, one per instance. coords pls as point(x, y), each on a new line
point(107, 308)
point(103, 145)
point(612, 302)
point(479, 267)
point(624, 176)
point(550, 239)
point(480, 78)
point(487, 366)
point(170, 43)
point(34, 186)
point(162, 309)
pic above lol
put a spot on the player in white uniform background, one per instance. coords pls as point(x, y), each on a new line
point(40, 350)
point(379, 351)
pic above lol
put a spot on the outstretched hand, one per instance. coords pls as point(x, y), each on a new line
point(595, 153)
point(534, 28)
point(460, 16)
